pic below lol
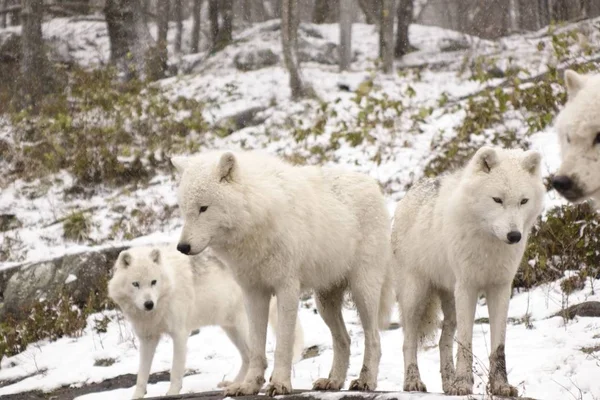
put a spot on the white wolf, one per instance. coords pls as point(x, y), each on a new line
point(161, 291)
point(283, 229)
point(578, 126)
point(453, 238)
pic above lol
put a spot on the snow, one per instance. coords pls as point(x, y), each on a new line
point(545, 360)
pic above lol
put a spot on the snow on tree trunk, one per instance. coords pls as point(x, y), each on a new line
point(405, 14)
point(213, 16)
point(346, 15)
point(289, 40)
point(179, 30)
point(132, 49)
point(197, 17)
point(34, 62)
point(386, 33)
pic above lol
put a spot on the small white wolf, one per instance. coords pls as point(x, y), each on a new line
point(578, 126)
point(457, 236)
point(161, 291)
point(283, 229)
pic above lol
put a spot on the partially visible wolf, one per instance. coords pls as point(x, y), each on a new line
point(161, 291)
point(283, 229)
point(578, 126)
point(453, 238)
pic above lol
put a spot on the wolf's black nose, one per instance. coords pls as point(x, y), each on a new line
point(562, 183)
point(513, 237)
point(184, 248)
point(149, 305)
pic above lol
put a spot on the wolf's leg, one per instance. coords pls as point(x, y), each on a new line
point(466, 300)
point(147, 349)
point(366, 293)
point(180, 339)
point(287, 313)
point(329, 305)
point(498, 298)
point(413, 300)
point(447, 340)
point(238, 334)
point(256, 301)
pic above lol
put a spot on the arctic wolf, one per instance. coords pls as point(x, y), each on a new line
point(578, 126)
point(453, 238)
point(283, 229)
point(161, 291)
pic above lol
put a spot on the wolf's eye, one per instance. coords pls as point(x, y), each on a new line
point(524, 201)
point(597, 139)
point(136, 284)
point(153, 283)
point(497, 200)
point(203, 208)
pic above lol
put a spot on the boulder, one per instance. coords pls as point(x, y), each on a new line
point(254, 59)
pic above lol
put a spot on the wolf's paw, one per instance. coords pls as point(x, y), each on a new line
point(242, 389)
point(327, 384)
point(504, 389)
point(359, 384)
point(278, 388)
point(224, 384)
point(173, 389)
point(460, 387)
point(139, 393)
point(414, 385)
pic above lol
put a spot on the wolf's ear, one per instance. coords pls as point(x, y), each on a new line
point(532, 161)
point(155, 256)
point(227, 167)
point(485, 159)
point(125, 259)
point(180, 163)
point(574, 82)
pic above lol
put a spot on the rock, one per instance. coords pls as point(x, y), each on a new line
point(585, 309)
point(9, 222)
point(77, 275)
point(254, 59)
point(323, 53)
point(241, 120)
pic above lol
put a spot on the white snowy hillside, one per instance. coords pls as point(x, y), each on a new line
point(417, 121)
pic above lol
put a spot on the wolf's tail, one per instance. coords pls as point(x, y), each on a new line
point(430, 320)
point(387, 300)
point(298, 333)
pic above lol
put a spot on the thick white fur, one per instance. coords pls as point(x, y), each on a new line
point(450, 243)
point(283, 229)
point(189, 293)
point(578, 124)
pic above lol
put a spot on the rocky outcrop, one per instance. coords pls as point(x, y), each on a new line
point(77, 275)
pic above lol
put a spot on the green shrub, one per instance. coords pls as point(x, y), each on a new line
point(568, 240)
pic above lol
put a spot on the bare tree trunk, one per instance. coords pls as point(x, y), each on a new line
point(213, 16)
point(386, 33)
point(259, 13)
point(34, 62)
point(346, 15)
point(162, 12)
point(405, 15)
point(289, 40)
point(372, 10)
point(179, 20)
point(226, 34)
point(4, 17)
point(196, 11)
point(592, 8)
point(528, 13)
point(132, 48)
point(247, 10)
point(566, 10)
point(325, 11)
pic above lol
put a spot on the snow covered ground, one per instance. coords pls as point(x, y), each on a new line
point(545, 360)
point(544, 355)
